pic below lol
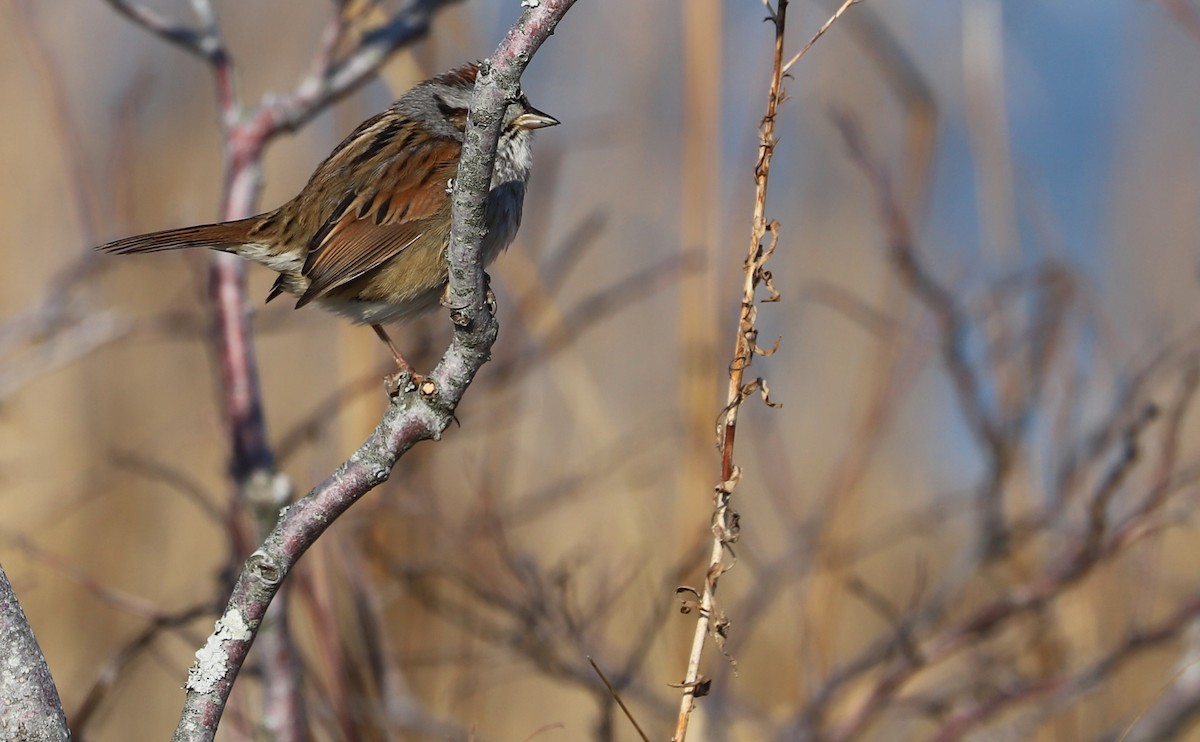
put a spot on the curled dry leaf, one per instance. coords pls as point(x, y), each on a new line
point(727, 526)
point(720, 633)
point(768, 282)
point(716, 569)
point(689, 599)
point(701, 687)
point(765, 352)
point(763, 275)
point(760, 385)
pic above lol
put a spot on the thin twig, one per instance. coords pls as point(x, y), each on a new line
point(183, 36)
point(820, 32)
point(617, 697)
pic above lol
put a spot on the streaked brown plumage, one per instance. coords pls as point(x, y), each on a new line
point(366, 237)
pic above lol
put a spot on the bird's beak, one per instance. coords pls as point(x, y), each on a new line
point(534, 119)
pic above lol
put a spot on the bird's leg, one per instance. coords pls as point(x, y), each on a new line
point(401, 364)
point(393, 382)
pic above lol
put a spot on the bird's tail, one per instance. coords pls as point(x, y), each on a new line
point(226, 237)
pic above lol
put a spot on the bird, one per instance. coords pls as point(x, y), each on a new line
point(366, 236)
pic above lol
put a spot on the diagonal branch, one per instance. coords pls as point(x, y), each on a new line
point(31, 707)
point(415, 415)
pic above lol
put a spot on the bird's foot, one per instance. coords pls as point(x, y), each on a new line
point(404, 379)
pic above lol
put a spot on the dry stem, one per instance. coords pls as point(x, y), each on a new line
point(725, 519)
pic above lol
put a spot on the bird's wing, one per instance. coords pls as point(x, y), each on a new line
point(401, 191)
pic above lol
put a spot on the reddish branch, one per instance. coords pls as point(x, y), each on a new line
point(412, 417)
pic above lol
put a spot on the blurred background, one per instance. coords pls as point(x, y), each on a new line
point(972, 515)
